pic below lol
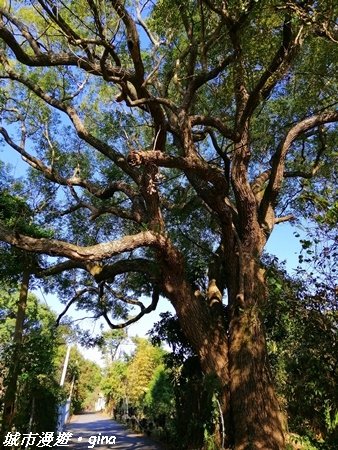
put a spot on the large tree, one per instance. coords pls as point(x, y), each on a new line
point(176, 135)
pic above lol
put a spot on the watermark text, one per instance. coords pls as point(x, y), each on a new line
point(51, 439)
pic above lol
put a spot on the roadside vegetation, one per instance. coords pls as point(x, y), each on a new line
point(30, 373)
point(156, 146)
point(166, 394)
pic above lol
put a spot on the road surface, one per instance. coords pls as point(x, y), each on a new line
point(97, 431)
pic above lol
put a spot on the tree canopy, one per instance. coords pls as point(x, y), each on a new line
point(165, 140)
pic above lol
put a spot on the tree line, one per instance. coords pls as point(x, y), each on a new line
point(30, 373)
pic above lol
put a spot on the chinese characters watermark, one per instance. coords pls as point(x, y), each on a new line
point(51, 439)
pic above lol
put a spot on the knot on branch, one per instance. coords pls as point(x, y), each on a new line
point(152, 178)
point(214, 295)
point(134, 158)
point(94, 268)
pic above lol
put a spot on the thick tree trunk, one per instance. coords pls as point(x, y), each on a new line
point(206, 331)
point(256, 415)
point(235, 351)
point(257, 418)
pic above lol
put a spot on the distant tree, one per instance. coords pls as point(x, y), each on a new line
point(16, 265)
point(141, 369)
point(84, 380)
point(166, 140)
point(37, 392)
point(114, 384)
point(110, 343)
point(130, 381)
point(160, 397)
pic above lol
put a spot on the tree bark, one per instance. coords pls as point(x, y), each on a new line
point(205, 328)
point(257, 419)
point(234, 350)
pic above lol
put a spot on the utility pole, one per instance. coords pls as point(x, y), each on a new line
point(62, 408)
point(65, 366)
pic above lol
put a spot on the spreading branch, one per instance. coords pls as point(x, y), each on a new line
point(96, 252)
point(133, 40)
point(277, 68)
point(145, 310)
point(278, 160)
point(51, 59)
point(190, 163)
point(76, 297)
point(79, 126)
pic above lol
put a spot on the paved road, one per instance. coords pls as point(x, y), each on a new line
point(94, 430)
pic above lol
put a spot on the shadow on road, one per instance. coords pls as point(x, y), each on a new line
point(97, 431)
